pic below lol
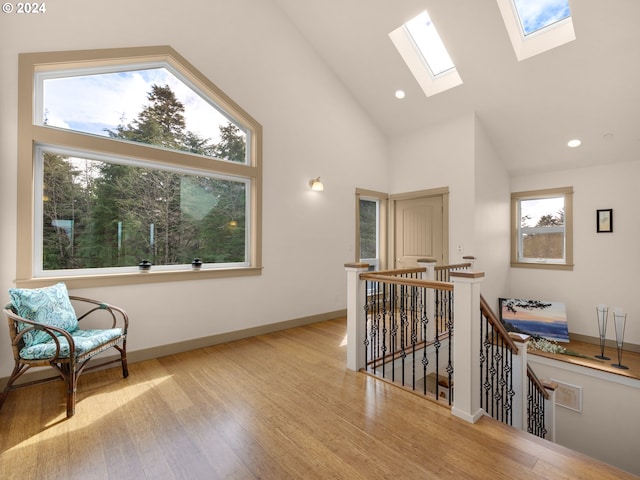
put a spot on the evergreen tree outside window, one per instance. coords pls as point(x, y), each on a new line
point(132, 161)
point(371, 228)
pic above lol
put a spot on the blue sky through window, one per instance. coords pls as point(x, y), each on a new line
point(100, 102)
point(534, 15)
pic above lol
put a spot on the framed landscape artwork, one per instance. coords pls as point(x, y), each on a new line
point(536, 318)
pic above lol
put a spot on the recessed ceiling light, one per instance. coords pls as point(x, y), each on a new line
point(574, 143)
point(400, 94)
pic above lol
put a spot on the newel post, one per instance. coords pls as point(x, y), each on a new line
point(519, 412)
point(356, 318)
point(550, 410)
point(429, 264)
point(466, 344)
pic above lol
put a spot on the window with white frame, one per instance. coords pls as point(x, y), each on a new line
point(542, 228)
point(135, 156)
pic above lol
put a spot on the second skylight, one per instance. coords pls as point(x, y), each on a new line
point(534, 16)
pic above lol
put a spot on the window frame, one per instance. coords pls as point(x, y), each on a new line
point(540, 41)
point(32, 135)
point(418, 65)
point(516, 242)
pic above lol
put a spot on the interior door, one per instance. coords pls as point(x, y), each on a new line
point(418, 230)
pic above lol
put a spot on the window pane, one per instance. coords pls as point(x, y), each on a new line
point(98, 214)
point(429, 43)
point(369, 231)
point(542, 228)
point(151, 106)
point(535, 16)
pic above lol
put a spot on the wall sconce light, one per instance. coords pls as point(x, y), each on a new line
point(316, 184)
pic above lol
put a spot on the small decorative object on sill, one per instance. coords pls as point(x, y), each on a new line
point(196, 264)
point(549, 346)
point(144, 265)
point(602, 312)
point(619, 320)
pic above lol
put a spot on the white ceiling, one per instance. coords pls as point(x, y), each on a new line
point(585, 89)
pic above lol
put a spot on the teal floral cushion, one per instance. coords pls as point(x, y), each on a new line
point(84, 340)
point(48, 306)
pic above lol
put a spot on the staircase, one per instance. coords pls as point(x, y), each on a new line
point(400, 328)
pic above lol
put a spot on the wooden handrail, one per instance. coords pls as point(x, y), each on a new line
point(452, 267)
point(497, 325)
point(409, 282)
point(401, 271)
point(536, 381)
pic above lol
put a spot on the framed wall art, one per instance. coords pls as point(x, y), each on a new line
point(604, 220)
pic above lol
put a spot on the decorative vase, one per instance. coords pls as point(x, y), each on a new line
point(196, 264)
point(144, 265)
point(619, 320)
point(602, 312)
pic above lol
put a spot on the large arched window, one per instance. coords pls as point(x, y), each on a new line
point(130, 156)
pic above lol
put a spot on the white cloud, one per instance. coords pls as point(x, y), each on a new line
point(93, 103)
point(535, 209)
point(540, 13)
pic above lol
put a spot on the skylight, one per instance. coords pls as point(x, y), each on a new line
point(424, 52)
point(429, 43)
point(534, 16)
point(537, 26)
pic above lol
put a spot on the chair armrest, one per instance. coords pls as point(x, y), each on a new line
point(118, 315)
point(17, 340)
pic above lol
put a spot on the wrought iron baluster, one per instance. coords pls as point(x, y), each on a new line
point(450, 327)
point(425, 324)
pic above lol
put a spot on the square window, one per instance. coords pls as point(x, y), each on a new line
point(542, 229)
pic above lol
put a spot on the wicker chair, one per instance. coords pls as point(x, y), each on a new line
point(38, 343)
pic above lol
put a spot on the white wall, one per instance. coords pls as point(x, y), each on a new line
point(312, 127)
point(607, 427)
point(606, 264)
point(458, 154)
point(492, 205)
point(440, 156)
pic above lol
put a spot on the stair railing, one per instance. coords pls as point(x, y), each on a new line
point(408, 330)
point(510, 390)
point(400, 326)
point(496, 366)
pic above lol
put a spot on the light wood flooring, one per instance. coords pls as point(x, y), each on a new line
point(276, 406)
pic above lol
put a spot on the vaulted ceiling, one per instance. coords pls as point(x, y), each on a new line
point(587, 89)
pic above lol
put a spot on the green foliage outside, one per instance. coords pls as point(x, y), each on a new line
point(98, 214)
point(368, 229)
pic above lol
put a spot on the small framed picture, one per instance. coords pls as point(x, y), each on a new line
point(604, 220)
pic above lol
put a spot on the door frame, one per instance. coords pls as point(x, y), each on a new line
point(431, 192)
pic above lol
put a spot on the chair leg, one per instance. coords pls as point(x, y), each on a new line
point(71, 381)
point(17, 371)
point(71, 397)
point(123, 359)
